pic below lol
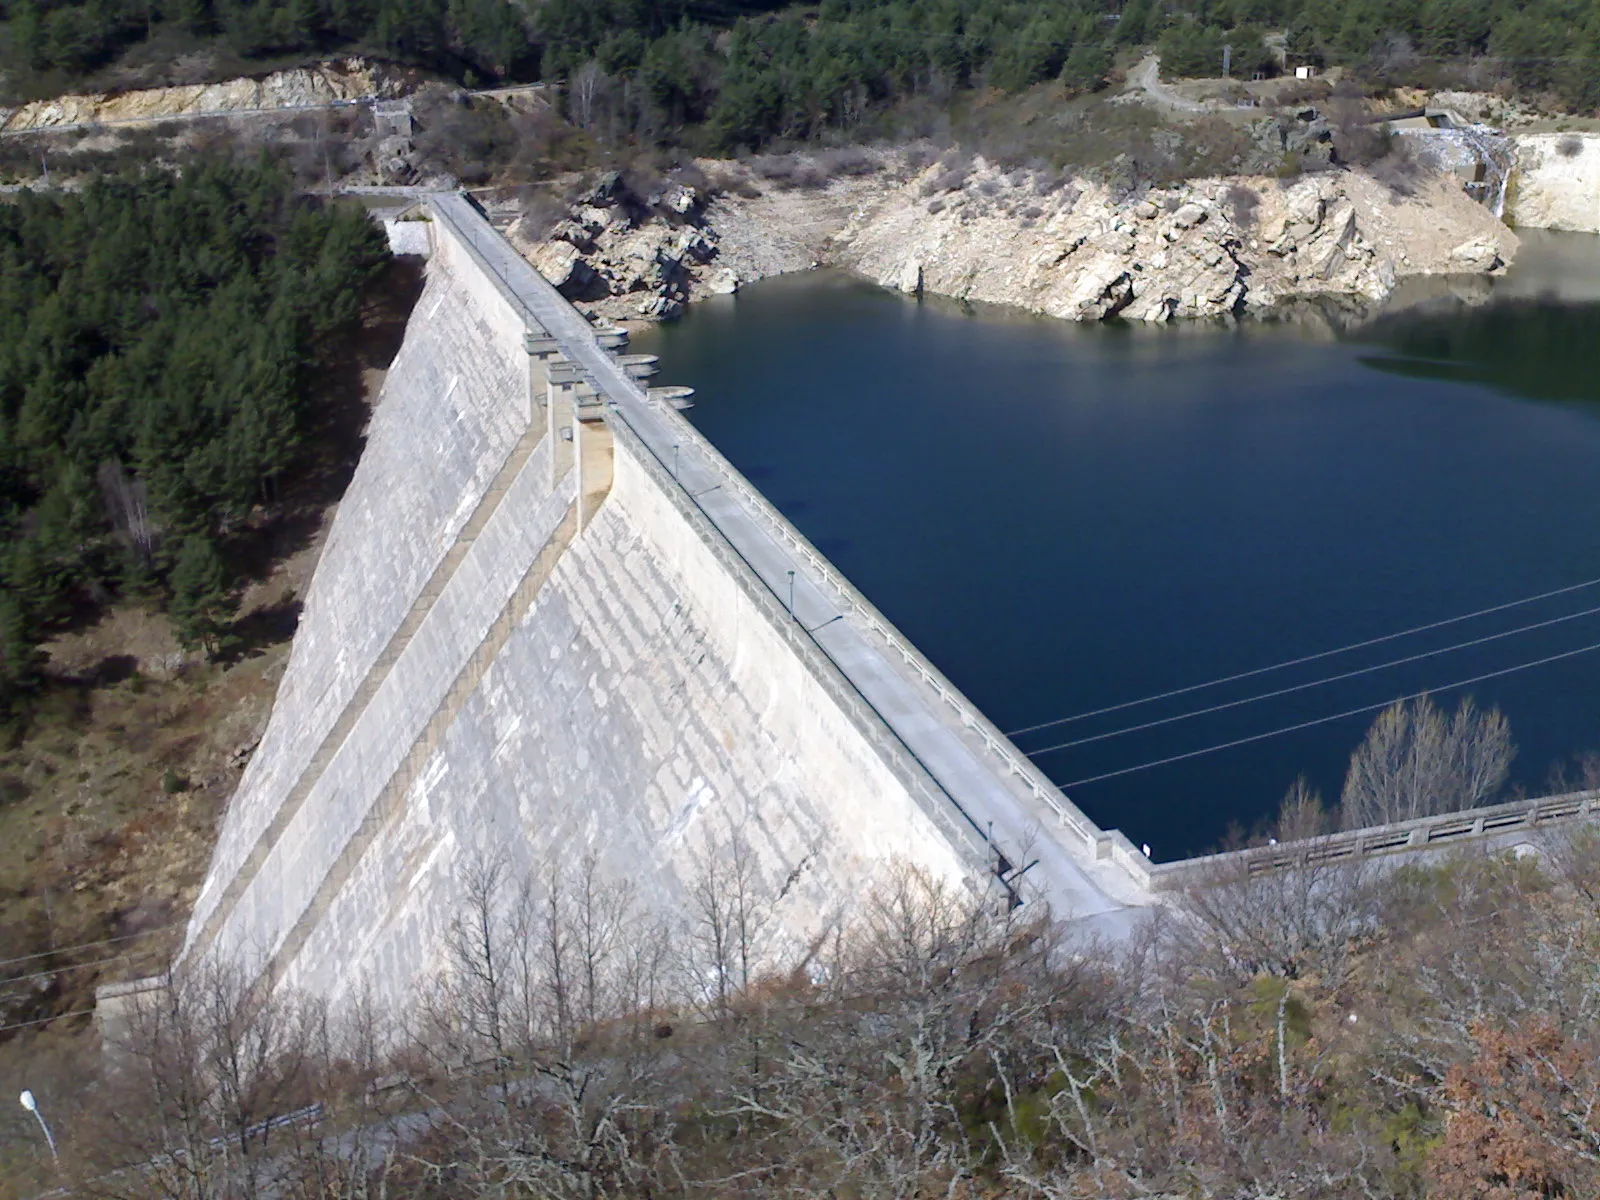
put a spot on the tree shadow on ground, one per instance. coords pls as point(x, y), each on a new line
point(341, 407)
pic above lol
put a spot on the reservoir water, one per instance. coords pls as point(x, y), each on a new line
point(1067, 518)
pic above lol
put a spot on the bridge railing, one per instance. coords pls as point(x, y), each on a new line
point(1474, 826)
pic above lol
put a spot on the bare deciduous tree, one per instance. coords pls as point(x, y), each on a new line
point(1416, 762)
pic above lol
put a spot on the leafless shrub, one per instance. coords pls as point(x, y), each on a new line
point(690, 175)
point(1286, 919)
point(734, 181)
point(847, 161)
point(990, 187)
point(790, 170)
point(541, 212)
point(1569, 146)
point(1032, 213)
point(935, 206)
point(1417, 762)
point(1399, 170)
point(1048, 182)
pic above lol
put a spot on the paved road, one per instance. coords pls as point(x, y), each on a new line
point(975, 788)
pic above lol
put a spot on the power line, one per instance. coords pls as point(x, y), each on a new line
point(1295, 662)
point(127, 937)
point(1301, 687)
point(82, 1012)
point(1257, 737)
point(99, 962)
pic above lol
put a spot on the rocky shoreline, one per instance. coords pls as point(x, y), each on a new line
point(1037, 239)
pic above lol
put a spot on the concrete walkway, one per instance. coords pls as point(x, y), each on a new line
point(986, 793)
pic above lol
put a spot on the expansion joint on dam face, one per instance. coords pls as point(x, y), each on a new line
point(374, 679)
point(389, 802)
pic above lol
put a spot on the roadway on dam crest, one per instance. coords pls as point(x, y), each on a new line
point(938, 728)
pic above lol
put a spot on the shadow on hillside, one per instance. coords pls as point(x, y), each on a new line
point(343, 391)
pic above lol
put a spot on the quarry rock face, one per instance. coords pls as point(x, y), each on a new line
point(1556, 184)
point(302, 87)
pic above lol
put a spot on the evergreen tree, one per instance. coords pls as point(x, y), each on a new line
point(202, 603)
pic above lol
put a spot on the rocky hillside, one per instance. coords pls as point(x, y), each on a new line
point(1037, 239)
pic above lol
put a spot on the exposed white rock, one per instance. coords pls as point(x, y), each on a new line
point(1556, 184)
point(1476, 254)
point(1076, 251)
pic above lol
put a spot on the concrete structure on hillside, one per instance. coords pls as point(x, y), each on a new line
point(550, 621)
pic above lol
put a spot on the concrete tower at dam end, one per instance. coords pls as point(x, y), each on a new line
point(552, 623)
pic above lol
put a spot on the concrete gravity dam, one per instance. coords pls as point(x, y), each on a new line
point(549, 622)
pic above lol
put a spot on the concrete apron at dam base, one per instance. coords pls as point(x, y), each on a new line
point(551, 623)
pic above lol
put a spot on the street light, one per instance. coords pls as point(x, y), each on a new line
point(28, 1102)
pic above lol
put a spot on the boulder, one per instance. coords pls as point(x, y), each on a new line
point(1476, 254)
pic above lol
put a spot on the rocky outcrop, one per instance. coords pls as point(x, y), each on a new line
point(1208, 248)
point(1034, 239)
point(1556, 184)
point(630, 256)
point(1197, 250)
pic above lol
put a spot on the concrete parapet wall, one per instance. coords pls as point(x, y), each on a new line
point(1493, 828)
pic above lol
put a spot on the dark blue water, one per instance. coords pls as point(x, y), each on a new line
point(1066, 517)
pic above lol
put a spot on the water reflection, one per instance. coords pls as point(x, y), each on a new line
point(1534, 333)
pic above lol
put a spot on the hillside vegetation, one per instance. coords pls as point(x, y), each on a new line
point(725, 73)
point(1310, 1036)
point(158, 336)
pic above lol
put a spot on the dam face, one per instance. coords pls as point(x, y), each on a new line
point(551, 624)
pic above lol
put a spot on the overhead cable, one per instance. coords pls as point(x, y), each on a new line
point(82, 1012)
point(1295, 662)
point(1301, 687)
point(127, 937)
point(54, 971)
point(1352, 712)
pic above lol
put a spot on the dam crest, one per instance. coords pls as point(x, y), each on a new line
point(551, 623)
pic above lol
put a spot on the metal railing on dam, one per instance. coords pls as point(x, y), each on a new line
point(1001, 799)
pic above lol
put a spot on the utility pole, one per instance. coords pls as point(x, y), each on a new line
point(1227, 60)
